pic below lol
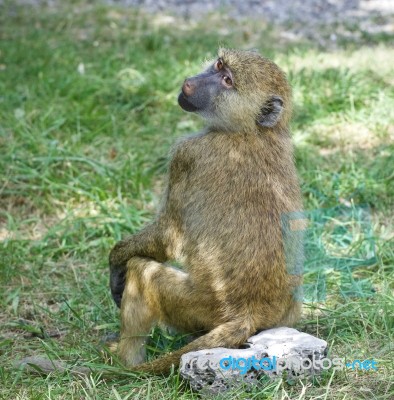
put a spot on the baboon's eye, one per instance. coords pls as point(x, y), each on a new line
point(227, 80)
point(219, 64)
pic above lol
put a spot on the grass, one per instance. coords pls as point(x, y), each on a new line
point(87, 115)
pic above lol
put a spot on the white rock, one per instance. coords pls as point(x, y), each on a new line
point(284, 349)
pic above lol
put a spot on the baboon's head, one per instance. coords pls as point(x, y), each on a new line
point(240, 91)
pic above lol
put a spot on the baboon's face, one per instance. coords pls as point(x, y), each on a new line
point(237, 92)
point(199, 92)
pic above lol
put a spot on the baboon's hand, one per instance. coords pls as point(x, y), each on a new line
point(117, 283)
point(117, 266)
point(142, 244)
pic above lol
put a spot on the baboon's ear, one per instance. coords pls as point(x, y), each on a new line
point(270, 112)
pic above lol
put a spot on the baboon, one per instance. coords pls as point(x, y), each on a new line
point(220, 218)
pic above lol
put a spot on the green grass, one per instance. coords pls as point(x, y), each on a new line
point(87, 115)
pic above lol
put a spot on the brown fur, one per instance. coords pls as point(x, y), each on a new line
point(221, 218)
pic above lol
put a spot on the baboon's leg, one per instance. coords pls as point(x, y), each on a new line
point(137, 319)
point(156, 292)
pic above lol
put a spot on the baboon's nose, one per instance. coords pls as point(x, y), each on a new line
point(188, 87)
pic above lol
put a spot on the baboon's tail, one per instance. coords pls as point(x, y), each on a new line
point(231, 334)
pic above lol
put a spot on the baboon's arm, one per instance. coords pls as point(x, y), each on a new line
point(146, 243)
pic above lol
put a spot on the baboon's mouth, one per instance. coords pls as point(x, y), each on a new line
point(185, 104)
